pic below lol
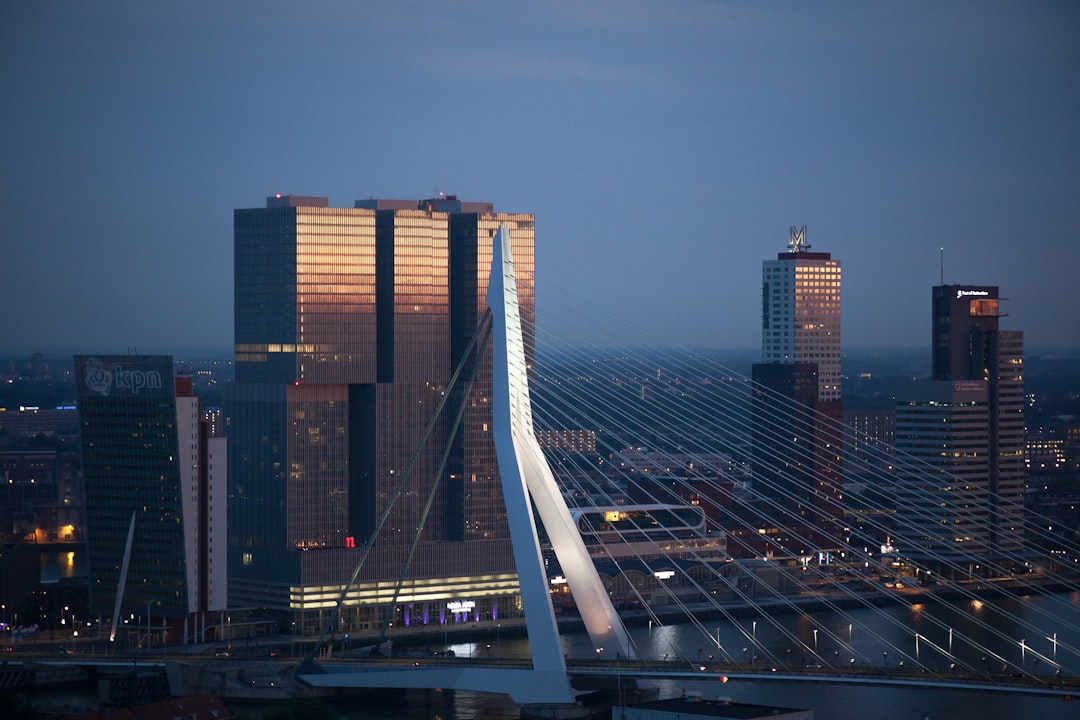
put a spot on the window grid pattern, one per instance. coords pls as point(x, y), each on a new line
point(130, 458)
point(801, 316)
point(345, 344)
point(335, 295)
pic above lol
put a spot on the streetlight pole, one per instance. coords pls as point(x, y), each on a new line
point(149, 629)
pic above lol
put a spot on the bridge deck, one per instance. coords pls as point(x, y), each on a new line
point(495, 674)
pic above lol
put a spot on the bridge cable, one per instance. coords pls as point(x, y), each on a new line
point(399, 488)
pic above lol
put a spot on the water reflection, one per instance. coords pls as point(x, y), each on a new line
point(931, 635)
point(934, 636)
point(62, 565)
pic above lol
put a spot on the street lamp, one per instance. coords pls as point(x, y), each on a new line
point(148, 630)
point(815, 641)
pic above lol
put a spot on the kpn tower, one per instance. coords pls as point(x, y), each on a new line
point(155, 501)
point(349, 325)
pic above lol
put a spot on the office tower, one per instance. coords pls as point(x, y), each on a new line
point(203, 459)
point(154, 491)
point(350, 323)
point(801, 312)
point(965, 429)
point(796, 408)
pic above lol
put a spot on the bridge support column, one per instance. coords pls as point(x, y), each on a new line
point(525, 474)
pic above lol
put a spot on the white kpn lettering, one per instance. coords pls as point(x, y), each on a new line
point(136, 380)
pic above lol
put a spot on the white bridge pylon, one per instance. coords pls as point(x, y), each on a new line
point(525, 473)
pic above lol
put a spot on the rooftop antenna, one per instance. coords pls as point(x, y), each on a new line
point(943, 266)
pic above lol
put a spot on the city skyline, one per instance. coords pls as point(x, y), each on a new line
point(703, 131)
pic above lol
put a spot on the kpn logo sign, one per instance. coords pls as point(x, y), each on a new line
point(106, 377)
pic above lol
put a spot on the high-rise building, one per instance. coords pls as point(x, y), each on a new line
point(801, 312)
point(796, 406)
point(965, 428)
point(350, 323)
point(155, 497)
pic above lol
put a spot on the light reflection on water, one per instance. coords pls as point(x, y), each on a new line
point(866, 634)
point(828, 701)
point(62, 565)
point(959, 633)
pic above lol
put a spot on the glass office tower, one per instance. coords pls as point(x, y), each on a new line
point(978, 476)
point(146, 451)
point(350, 323)
point(130, 451)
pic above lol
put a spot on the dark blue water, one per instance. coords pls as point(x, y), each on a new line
point(872, 633)
point(841, 702)
point(975, 628)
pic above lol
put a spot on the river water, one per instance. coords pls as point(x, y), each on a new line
point(978, 630)
point(787, 641)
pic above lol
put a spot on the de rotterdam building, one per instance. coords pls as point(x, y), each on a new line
point(350, 323)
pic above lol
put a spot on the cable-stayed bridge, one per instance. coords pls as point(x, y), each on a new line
point(672, 522)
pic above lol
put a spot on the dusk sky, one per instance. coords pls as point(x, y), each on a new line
point(664, 147)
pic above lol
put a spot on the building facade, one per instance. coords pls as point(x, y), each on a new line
point(350, 324)
point(965, 429)
point(796, 424)
point(801, 312)
point(154, 495)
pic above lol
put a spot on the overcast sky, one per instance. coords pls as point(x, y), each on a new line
point(665, 148)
